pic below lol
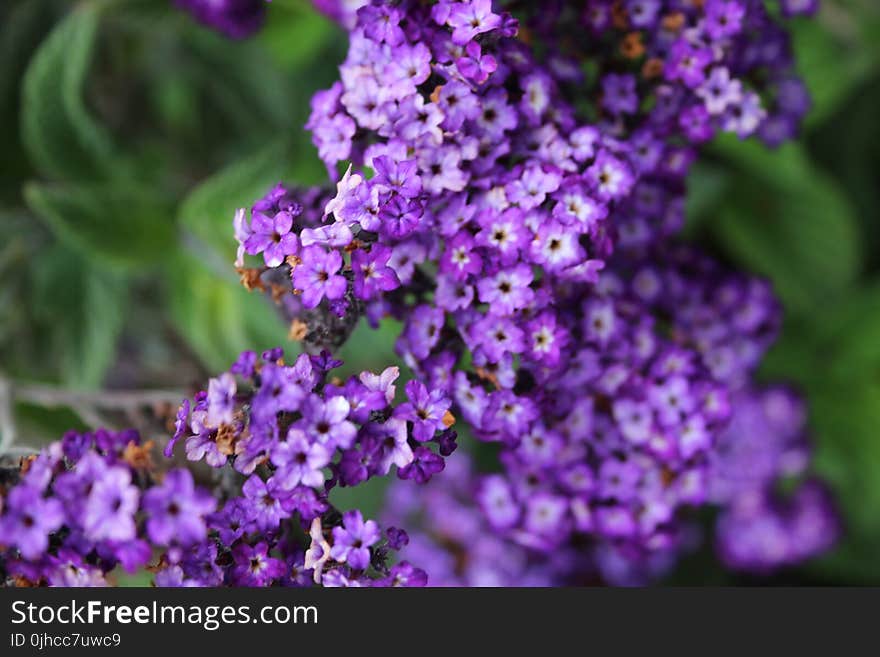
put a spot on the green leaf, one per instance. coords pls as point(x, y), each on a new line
point(707, 184)
point(295, 32)
point(848, 336)
point(846, 421)
point(85, 306)
point(21, 27)
point(832, 59)
point(58, 131)
point(125, 227)
point(788, 220)
point(216, 316)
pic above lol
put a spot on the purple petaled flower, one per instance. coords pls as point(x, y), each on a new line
point(425, 464)
point(327, 421)
point(254, 566)
point(181, 424)
point(469, 19)
point(265, 502)
point(394, 446)
point(619, 94)
point(397, 538)
point(108, 512)
point(272, 237)
point(427, 411)
point(28, 521)
point(724, 18)
point(299, 461)
point(507, 291)
point(382, 23)
point(399, 177)
point(405, 574)
point(352, 541)
point(176, 510)
point(317, 276)
point(529, 256)
point(474, 65)
point(372, 275)
point(221, 400)
point(383, 382)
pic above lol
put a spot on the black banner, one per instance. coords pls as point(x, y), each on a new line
point(353, 621)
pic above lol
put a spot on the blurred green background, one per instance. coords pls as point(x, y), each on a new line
point(129, 135)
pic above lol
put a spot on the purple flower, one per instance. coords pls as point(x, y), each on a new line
point(180, 427)
point(254, 566)
point(352, 541)
point(427, 411)
point(317, 276)
point(397, 538)
point(382, 23)
point(468, 19)
point(405, 574)
point(108, 512)
point(425, 464)
point(619, 94)
point(398, 177)
point(372, 275)
point(507, 291)
point(687, 63)
point(460, 259)
point(221, 400)
point(265, 502)
point(299, 461)
point(474, 65)
point(395, 447)
point(326, 421)
point(177, 510)
point(271, 236)
point(28, 521)
point(724, 18)
point(383, 382)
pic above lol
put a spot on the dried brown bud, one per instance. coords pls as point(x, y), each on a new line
point(673, 22)
point(250, 278)
point(298, 330)
point(632, 47)
point(139, 456)
point(226, 439)
point(653, 68)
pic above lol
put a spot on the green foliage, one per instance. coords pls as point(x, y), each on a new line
point(122, 226)
point(61, 136)
point(85, 308)
point(217, 316)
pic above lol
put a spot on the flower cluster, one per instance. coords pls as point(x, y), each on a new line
point(758, 529)
point(761, 529)
point(612, 438)
point(286, 434)
point(79, 509)
point(308, 432)
point(235, 19)
point(514, 214)
point(448, 531)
